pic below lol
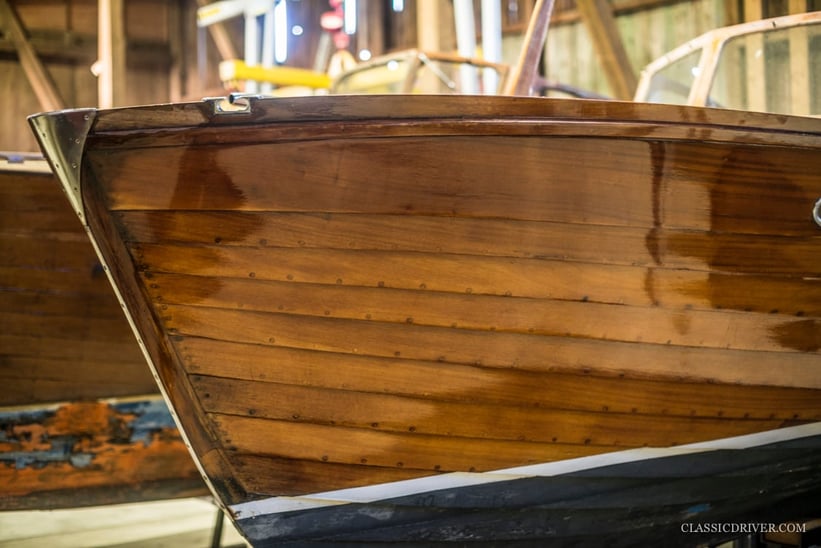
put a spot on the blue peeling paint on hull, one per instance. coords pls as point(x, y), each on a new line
point(151, 416)
point(141, 420)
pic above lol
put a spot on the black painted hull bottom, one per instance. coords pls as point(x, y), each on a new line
point(679, 500)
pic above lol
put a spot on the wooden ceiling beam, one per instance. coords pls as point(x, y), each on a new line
point(570, 15)
point(36, 73)
point(427, 25)
point(55, 46)
point(601, 24)
point(523, 76)
point(70, 47)
point(221, 37)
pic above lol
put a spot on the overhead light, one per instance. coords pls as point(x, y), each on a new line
point(349, 9)
point(280, 32)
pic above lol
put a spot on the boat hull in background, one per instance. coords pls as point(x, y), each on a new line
point(81, 416)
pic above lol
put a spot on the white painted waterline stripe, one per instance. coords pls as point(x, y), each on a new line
point(373, 493)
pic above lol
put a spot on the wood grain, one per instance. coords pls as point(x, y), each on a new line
point(64, 336)
point(397, 287)
point(582, 391)
point(66, 351)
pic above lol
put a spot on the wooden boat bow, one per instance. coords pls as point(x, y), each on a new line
point(402, 292)
point(62, 137)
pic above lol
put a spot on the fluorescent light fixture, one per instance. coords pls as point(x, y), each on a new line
point(280, 32)
point(398, 5)
point(349, 9)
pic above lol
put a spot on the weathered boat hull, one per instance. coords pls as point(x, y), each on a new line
point(92, 453)
point(348, 291)
point(76, 390)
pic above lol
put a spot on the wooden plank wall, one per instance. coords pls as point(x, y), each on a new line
point(162, 55)
point(647, 34)
point(648, 30)
point(161, 58)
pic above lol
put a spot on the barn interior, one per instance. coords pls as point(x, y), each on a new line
point(71, 390)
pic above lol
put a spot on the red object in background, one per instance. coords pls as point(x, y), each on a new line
point(333, 22)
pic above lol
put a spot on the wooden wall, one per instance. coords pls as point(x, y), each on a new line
point(648, 30)
point(167, 58)
point(160, 58)
point(646, 34)
point(162, 62)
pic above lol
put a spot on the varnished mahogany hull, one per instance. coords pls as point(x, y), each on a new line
point(346, 291)
point(66, 351)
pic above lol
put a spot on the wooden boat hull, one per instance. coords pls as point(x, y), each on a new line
point(57, 306)
point(693, 495)
point(76, 390)
point(92, 453)
point(348, 291)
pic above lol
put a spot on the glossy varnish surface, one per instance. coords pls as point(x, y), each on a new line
point(346, 291)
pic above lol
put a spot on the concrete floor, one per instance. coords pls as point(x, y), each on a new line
point(165, 524)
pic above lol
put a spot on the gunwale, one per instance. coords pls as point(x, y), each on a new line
point(400, 109)
point(115, 134)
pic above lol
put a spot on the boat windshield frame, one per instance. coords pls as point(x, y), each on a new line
point(416, 61)
point(710, 46)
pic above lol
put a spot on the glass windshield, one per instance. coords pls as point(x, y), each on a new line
point(444, 76)
point(672, 83)
point(388, 77)
point(774, 71)
point(421, 75)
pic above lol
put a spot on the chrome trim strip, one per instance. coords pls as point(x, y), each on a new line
point(816, 212)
